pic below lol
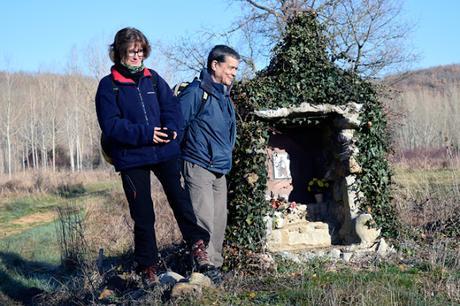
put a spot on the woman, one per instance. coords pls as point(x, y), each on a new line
point(139, 119)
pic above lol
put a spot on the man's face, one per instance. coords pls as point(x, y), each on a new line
point(225, 72)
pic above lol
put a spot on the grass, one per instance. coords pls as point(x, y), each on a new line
point(417, 180)
point(29, 262)
point(425, 272)
point(15, 208)
point(314, 283)
point(30, 254)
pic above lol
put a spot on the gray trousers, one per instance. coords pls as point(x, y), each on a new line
point(208, 193)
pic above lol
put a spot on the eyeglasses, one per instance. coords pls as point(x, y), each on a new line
point(139, 53)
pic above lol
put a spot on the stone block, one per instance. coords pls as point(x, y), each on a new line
point(299, 236)
point(364, 229)
point(354, 166)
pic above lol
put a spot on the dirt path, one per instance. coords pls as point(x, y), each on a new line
point(21, 224)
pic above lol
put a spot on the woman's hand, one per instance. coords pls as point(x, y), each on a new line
point(162, 137)
point(159, 137)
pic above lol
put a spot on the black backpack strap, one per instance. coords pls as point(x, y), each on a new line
point(204, 98)
point(154, 78)
point(116, 90)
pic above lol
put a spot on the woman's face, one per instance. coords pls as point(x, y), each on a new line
point(134, 55)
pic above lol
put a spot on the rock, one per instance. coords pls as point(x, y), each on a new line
point(268, 224)
point(106, 293)
point(367, 234)
point(200, 280)
point(354, 166)
point(383, 249)
point(302, 209)
point(293, 218)
point(263, 261)
point(170, 278)
point(346, 136)
point(278, 219)
point(186, 288)
point(335, 253)
point(346, 256)
point(290, 256)
point(299, 236)
point(349, 112)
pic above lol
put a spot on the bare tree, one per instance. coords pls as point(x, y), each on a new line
point(187, 56)
point(9, 115)
point(365, 36)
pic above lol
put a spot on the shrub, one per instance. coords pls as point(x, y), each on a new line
point(70, 190)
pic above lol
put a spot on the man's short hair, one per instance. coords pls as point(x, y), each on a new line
point(219, 52)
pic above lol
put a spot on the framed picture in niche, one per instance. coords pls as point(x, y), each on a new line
point(281, 165)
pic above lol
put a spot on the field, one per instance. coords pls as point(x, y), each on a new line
point(52, 227)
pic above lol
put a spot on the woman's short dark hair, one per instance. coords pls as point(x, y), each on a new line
point(219, 52)
point(123, 39)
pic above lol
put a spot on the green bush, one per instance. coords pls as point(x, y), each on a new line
point(70, 190)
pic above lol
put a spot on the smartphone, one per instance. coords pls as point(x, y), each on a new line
point(170, 134)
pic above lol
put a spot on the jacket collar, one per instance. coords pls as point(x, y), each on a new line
point(208, 85)
point(117, 76)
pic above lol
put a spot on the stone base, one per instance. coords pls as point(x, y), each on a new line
point(299, 236)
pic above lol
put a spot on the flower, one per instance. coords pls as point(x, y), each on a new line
point(316, 185)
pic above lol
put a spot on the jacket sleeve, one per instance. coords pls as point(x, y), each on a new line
point(170, 114)
point(113, 126)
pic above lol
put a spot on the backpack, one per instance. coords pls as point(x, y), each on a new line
point(178, 89)
point(105, 144)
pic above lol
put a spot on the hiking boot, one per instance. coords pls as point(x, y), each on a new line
point(148, 275)
point(200, 256)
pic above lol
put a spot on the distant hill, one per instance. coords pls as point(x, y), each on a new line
point(429, 103)
point(437, 78)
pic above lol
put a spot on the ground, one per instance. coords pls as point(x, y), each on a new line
point(425, 269)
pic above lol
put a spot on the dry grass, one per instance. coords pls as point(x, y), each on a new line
point(424, 196)
point(48, 181)
point(108, 224)
point(427, 257)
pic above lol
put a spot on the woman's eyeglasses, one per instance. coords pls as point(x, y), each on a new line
point(139, 53)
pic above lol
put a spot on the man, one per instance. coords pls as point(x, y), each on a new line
point(209, 138)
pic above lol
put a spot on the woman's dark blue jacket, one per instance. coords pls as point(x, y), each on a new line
point(127, 119)
point(210, 128)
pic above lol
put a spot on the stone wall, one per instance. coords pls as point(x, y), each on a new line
point(323, 147)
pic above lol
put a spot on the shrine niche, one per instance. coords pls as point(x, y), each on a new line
point(315, 142)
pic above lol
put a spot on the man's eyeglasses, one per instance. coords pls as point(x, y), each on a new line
point(139, 53)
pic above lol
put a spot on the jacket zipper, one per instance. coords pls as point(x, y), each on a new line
point(143, 105)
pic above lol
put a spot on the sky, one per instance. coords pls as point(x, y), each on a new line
point(38, 35)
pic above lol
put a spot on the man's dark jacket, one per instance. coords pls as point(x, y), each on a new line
point(210, 132)
point(127, 122)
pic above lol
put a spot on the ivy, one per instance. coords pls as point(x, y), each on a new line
point(300, 71)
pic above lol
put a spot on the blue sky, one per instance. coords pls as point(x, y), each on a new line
point(436, 35)
point(39, 35)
